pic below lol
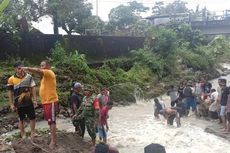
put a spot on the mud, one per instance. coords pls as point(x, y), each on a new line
point(67, 143)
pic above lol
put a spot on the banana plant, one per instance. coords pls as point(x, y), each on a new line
point(3, 5)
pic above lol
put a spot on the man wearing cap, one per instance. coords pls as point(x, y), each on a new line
point(76, 97)
point(48, 95)
point(75, 103)
point(22, 97)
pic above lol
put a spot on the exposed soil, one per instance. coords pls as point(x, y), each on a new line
point(67, 143)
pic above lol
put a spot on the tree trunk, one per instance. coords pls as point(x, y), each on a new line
point(55, 22)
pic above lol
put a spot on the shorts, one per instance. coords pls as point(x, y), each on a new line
point(222, 110)
point(190, 102)
point(102, 132)
point(228, 116)
point(50, 112)
point(26, 111)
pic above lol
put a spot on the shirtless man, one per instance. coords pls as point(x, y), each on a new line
point(166, 112)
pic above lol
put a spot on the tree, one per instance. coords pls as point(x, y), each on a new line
point(137, 8)
point(34, 9)
point(93, 23)
point(158, 8)
point(186, 34)
point(177, 6)
point(121, 17)
point(9, 16)
point(162, 41)
point(68, 14)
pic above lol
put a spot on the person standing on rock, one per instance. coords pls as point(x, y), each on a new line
point(48, 96)
point(22, 97)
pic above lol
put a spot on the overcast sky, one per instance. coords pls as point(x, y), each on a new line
point(104, 7)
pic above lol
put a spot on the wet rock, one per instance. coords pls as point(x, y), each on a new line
point(15, 125)
point(4, 148)
point(4, 110)
point(154, 148)
point(3, 130)
point(63, 112)
point(10, 127)
point(215, 132)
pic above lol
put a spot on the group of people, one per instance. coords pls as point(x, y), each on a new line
point(90, 111)
point(87, 109)
point(201, 98)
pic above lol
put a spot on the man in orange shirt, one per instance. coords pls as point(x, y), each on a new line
point(48, 96)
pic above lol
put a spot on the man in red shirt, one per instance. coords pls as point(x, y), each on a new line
point(103, 116)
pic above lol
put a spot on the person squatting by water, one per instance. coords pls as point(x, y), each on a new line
point(88, 112)
point(48, 96)
point(22, 97)
point(160, 109)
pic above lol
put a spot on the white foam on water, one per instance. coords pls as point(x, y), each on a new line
point(133, 127)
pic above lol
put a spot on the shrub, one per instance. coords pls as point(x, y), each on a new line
point(151, 60)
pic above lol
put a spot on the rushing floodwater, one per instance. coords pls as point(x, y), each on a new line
point(133, 127)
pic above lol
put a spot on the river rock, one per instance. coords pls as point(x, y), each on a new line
point(10, 127)
point(6, 148)
point(215, 132)
point(154, 148)
point(15, 125)
point(3, 130)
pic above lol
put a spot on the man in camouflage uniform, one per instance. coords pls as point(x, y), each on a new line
point(87, 112)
